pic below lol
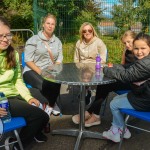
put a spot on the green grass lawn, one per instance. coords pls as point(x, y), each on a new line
point(114, 47)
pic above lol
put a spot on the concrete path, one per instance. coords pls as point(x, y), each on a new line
point(69, 105)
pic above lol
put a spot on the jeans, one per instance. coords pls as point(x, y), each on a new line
point(118, 102)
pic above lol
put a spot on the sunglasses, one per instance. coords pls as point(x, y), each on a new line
point(89, 31)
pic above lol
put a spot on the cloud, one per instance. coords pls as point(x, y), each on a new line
point(107, 6)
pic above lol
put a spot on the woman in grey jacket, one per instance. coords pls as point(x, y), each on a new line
point(42, 50)
point(138, 75)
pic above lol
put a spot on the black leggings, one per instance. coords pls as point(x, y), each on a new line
point(49, 90)
point(35, 117)
point(103, 91)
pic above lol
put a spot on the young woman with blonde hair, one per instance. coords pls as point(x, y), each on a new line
point(92, 115)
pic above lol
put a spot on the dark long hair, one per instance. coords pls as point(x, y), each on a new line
point(10, 52)
point(144, 37)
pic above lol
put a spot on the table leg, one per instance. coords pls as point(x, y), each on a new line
point(81, 132)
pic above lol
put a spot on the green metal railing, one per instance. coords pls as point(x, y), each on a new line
point(39, 10)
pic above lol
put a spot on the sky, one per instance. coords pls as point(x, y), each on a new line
point(107, 6)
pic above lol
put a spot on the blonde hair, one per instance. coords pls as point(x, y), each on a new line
point(130, 33)
point(49, 16)
point(81, 30)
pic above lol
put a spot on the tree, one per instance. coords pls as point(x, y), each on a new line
point(144, 13)
point(18, 12)
point(72, 13)
point(125, 15)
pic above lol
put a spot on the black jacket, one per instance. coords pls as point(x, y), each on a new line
point(139, 97)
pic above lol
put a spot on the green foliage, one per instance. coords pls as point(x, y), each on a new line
point(114, 47)
point(19, 13)
point(71, 14)
point(125, 15)
point(144, 14)
point(85, 17)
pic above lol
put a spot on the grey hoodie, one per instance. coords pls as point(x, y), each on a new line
point(36, 51)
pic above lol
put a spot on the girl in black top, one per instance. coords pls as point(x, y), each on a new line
point(138, 76)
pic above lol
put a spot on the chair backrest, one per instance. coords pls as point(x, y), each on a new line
point(22, 60)
point(119, 92)
point(23, 65)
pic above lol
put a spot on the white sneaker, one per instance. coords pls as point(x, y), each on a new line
point(111, 136)
point(127, 133)
point(56, 110)
point(48, 110)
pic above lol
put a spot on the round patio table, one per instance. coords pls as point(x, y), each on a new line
point(82, 75)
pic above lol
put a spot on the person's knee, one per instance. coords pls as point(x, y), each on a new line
point(113, 104)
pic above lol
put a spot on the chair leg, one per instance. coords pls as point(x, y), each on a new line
point(123, 132)
point(18, 139)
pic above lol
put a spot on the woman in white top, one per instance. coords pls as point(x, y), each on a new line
point(42, 50)
point(89, 45)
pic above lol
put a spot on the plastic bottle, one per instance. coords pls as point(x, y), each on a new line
point(97, 73)
point(98, 67)
point(5, 104)
point(98, 61)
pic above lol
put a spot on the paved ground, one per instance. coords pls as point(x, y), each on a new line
point(69, 105)
point(139, 140)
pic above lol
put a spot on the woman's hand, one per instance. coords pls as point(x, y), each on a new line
point(35, 101)
point(3, 112)
point(110, 65)
point(57, 63)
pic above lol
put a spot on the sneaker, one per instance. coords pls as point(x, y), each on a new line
point(76, 118)
point(56, 110)
point(115, 137)
point(127, 133)
point(39, 138)
point(92, 121)
point(48, 110)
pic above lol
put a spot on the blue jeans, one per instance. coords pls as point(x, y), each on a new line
point(120, 101)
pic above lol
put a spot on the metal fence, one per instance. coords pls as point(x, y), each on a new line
point(20, 36)
point(110, 18)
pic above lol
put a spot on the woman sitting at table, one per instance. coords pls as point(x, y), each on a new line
point(92, 115)
point(19, 97)
point(87, 48)
point(42, 50)
point(89, 45)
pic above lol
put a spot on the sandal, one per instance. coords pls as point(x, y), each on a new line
point(92, 121)
point(76, 118)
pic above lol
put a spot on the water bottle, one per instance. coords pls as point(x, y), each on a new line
point(97, 73)
point(5, 104)
point(98, 61)
point(98, 66)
